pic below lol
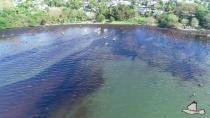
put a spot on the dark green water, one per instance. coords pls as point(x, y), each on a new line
point(102, 72)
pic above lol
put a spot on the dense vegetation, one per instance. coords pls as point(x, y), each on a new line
point(175, 15)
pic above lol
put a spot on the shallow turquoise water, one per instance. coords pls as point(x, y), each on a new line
point(132, 89)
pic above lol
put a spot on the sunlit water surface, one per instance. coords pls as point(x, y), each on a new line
point(102, 72)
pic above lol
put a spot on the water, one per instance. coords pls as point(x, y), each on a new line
point(102, 72)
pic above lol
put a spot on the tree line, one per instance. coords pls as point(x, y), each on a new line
point(173, 15)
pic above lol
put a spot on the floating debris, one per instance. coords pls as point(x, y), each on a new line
point(200, 85)
point(62, 33)
point(114, 39)
point(193, 95)
point(3, 36)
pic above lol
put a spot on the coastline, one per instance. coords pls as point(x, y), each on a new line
point(195, 32)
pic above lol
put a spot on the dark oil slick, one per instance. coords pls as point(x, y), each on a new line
point(46, 72)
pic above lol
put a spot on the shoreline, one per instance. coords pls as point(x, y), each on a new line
point(201, 33)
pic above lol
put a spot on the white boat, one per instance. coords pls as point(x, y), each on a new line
point(192, 109)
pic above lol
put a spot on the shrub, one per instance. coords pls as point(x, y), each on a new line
point(55, 11)
point(70, 15)
point(169, 20)
point(3, 23)
point(138, 20)
point(43, 22)
point(185, 22)
point(194, 22)
point(112, 19)
point(100, 18)
point(151, 21)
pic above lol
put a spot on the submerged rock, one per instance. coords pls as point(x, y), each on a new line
point(200, 85)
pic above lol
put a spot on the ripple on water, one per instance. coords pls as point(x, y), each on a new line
point(168, 55)
point(76, 81)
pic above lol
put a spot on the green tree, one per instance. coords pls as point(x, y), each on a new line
point(170, 7)
point(74, 4)
point(201, 12)
point(4, 20)
point(122, 12)
point(92, 5)
point(100, 18)
point(54, 3)
point(185, 10)
point(207, 21)
point(168, 20)
point(102, 8)
point(160, 4)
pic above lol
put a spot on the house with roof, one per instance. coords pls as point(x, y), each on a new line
point(118, 2)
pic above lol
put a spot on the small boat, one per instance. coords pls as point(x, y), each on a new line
point(192, 109)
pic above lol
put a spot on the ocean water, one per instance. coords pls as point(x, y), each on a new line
point(102, 71)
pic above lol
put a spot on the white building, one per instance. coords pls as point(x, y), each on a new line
point(17, 2)
point(178, 1)
point(186, 1)
point(118, 2)
point(39, 4)
point(164, 1)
